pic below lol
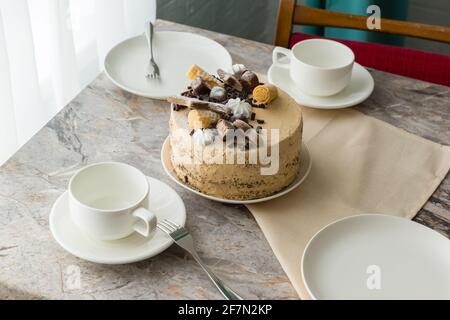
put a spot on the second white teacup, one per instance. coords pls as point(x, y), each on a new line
point(107, 201)
point(319, 67)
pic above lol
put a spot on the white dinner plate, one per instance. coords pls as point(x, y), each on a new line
point(305, 168)
point(174, 52)
point(163, 201)
point(376, 256)
point(360, 88)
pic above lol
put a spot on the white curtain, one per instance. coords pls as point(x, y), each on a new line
point(50, 50)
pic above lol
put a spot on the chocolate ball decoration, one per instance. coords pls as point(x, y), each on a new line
point(249, 80)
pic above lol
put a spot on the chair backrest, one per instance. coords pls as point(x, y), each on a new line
point(289, 14)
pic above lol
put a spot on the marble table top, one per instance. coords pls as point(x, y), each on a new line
point(105, 123)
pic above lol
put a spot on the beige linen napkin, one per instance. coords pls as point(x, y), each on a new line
point(360, 165)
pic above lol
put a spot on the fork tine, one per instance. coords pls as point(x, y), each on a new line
point(163, 228)
point(166, 229)
point(171, 223)
point(168, 226)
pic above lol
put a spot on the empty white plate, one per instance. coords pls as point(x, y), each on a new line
point(360, 88)
point(305, 168)
point(377, 257)
point(163, 201)
point(174, 52)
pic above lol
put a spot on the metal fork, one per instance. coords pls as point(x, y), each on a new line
point(182, 238)
point(153, 69)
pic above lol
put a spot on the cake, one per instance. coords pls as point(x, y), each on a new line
point(233, 137)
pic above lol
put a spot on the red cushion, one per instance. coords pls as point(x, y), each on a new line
point(415, 64)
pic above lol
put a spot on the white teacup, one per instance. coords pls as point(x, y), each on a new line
point(319, 67)
point(107, 201)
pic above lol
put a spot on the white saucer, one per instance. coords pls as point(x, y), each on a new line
point(412, 261)
point(163, 201)
point(305, 168)
point(126, 63)
point(359, 89)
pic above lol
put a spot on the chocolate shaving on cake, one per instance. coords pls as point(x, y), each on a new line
point(260, 121)
point(258, 105)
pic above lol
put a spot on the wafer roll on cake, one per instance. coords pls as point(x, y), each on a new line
point(195, 71)
point(202, 119)
point(265, 93)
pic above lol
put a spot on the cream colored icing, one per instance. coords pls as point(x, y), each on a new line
point(240, 108)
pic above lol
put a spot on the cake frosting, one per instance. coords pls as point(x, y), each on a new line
point(263, 162)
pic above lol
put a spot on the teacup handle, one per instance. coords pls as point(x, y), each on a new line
point(284, 52)
point(147, 221)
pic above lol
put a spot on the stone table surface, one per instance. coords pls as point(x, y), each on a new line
point(105, 123)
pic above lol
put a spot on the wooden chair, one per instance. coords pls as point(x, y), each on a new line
point(289, 14)
point(420, 65)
